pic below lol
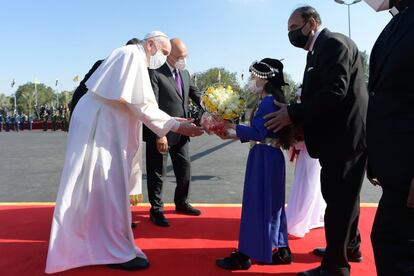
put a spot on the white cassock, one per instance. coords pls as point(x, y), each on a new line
point(306, 206)
point(92, 218)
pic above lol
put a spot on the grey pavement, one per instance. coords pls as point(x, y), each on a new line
point(31, 163)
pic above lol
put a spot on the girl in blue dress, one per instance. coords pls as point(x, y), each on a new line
point(263, 228)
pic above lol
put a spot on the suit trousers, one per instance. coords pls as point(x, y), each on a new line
point(341, 182)
point(392, 234)
point(156, 170)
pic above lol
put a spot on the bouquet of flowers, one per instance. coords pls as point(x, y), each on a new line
point(221, 104)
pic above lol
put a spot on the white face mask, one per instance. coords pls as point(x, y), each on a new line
point(379, 5)
point(180, 64)
point(157, 60)
point(252, 86)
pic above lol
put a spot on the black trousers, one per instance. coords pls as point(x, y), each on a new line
point(341, 182)
point(156, 169)
point(392, 234)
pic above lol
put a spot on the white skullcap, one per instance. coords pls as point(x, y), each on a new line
point(155, 34)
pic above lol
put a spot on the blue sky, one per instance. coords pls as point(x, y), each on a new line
point(51, 39)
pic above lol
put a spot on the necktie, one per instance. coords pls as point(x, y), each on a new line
point(308, 57)
point(178, 81)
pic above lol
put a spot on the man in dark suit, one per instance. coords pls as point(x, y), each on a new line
point(390, 140)
point(82, 89)
point(173, 87)
point(332, 113)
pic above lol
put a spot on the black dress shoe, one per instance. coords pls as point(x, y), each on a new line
point(134, 225)
point(236, 261)
point(159, 219)
point(354, 257)
point(134, 264)
point(319, 271)
point(283, 255)
point(187, 210)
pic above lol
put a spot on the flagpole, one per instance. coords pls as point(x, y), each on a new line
point(36, 91)
point(219, 76)
point(15, 105)
point(57, 96)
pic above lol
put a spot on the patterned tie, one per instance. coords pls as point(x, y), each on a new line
point(178, 81)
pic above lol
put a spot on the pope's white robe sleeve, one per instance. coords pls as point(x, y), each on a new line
point(155, 119)
point(123, 76)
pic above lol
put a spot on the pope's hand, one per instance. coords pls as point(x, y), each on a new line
point(279, 119)
point(187, 128)
point(162, 144)
point(179, 119)
point(410, 200)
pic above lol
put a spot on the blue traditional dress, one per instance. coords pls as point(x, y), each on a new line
point(263, 220)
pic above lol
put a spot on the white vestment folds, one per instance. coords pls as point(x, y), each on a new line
point(306, 206)
point(92, 218)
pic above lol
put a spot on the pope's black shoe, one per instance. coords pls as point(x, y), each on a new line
point(319, 271)
point(158, 218)
point(135, 264)
point(134, 225)
point(322, 271)
point(282, 256)
point(187, 209)
point(354, 257)
point(236, 261)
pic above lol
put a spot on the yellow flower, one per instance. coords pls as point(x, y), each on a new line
point(224, 102)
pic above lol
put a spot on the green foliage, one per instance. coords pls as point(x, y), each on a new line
point(289, 90)
point(365, 65)
point(26, 97)
point(211, 78)
point(6, 101)
point(65, 97)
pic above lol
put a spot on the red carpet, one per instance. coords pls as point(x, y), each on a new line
point(189, 247)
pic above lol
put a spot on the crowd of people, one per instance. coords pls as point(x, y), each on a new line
point(342, 125)
point(44, 117)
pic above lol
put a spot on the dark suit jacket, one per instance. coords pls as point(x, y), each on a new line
point(334, 99)
point(168, 98)
point(390, 122)
point(82, 89)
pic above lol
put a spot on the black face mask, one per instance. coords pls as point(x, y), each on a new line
point(297, 38)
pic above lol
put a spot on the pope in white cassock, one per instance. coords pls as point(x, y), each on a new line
point(92, 218)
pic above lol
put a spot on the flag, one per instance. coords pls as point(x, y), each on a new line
point(76, 78)
point(13, 83)
point(56, 83)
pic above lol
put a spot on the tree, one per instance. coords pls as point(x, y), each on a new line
point(289, 90)
point(6, 101)
point(216, 76)
point(65, 97)
point(26, 96)
point(365, 65)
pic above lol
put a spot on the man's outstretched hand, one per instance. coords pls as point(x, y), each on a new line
point(279, 119)
point(187, 128)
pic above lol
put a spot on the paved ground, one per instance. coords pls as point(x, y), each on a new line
point(31, 162)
